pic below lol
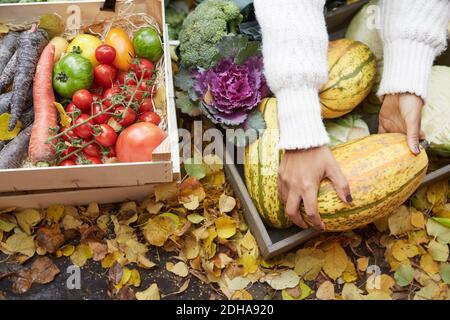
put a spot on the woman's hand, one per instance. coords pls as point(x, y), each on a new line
point(402, 113)
point(300, 174)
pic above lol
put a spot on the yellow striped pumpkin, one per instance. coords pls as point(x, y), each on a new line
point(380, 169)
point(352, 71)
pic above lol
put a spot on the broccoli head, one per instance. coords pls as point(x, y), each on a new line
point(204, 28)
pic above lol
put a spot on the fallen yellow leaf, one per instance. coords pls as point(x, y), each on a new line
point(152, 293)
point(335, 260)
point(225, 226)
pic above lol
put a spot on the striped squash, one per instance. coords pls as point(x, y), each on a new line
point(352, 71)
point(380, 169)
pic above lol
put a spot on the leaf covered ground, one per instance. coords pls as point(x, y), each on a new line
point(196, 235)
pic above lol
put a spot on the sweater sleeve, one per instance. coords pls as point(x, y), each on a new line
point(295, 43)
point(414, 32)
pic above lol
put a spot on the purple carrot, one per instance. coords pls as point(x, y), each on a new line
point(7, 48)
point(31, 44)
point(13, 154)
point(7, 77)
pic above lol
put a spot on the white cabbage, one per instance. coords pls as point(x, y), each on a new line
point(345, 129)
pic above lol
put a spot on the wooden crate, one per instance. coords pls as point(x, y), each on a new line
point(165, 164)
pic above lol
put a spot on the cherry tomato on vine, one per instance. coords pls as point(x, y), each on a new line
point(97, 109)
point(70, 135)
point(146, 105)
point(92, 150)
point(67, 163)
point(150, 116)
point(133, 92)
point(109, 94)
point(68, 151)
point(126, 78)
point(93, 160)
point(123, 117)
point(105, 75)
point(84, 130)
point(82, 99)
point(106, 136)
point(143, 68)
point(73, 111)
point(105, 54)
point(112, 152)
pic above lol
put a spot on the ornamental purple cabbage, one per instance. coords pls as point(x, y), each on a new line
point(235, 89)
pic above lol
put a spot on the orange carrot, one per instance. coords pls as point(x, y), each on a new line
point(45, 114)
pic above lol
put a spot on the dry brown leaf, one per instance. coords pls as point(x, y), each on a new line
point(43, 270)
point(326, 291)
point(99, 250)
point(166, 191)
point(189, 189)
point(22, 281)
point(49, 238)
point(158, 230)
point(92, 211)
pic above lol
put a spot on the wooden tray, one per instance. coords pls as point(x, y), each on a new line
point(272, 241)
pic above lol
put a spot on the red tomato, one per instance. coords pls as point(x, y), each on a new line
point(82, 99)
point(105, 75)
point(125, 118)
point(70, 135)
point(126, 78)
point(93, 160)
point(142, 67)
point(73, 111)
point(107, 136)
point(146, 105)
point(97, 108)
point(84, 130)
point(92, 150)
point(132, 91)
point(148, 88)
point(105, 54)
point(137, 142)
point(150, 116)
point(68, 151)
point(67, 163)
point(112, 152)
point(109, 94)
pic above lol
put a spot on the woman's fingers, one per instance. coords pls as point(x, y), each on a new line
point(340, 184)
point(310, 204)
point(413, 137)
point(292, 209)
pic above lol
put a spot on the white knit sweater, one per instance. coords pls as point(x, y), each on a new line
point(295, 46)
